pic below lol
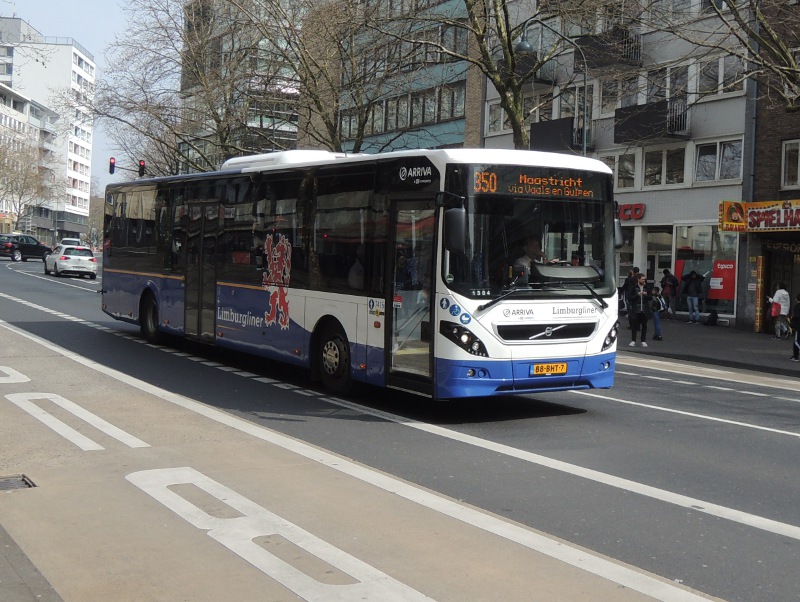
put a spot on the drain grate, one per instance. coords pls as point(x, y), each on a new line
point(18, 481)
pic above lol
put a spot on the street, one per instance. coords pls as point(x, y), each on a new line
point(177, 472)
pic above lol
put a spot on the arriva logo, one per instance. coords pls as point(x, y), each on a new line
point(518, 313)
point(415, 172)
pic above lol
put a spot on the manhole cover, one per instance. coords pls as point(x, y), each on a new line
point(19, 481)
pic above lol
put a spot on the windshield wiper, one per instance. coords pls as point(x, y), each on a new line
point(586, 285)
point(505, 295)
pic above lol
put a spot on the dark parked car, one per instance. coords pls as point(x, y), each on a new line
point(21, 247)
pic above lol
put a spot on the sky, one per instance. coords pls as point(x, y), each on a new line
point(92, 24)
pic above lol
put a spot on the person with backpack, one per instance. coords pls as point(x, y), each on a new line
point(657, 306)
point(669, 292)
point(630, 281)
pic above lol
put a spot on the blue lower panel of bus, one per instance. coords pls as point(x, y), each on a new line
point(470, 378)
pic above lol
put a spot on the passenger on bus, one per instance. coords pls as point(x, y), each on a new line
point(355, 279)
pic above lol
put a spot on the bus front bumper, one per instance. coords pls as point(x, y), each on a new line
point(483, 378)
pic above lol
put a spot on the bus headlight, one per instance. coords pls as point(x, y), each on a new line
point(611, 337)
point(463, 337)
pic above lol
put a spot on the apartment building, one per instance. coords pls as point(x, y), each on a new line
point(27, 136)
point(41, 68)
point(670, 118)
point(416, 95)
point(237, 96)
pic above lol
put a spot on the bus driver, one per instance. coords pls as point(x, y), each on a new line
point(533, 254)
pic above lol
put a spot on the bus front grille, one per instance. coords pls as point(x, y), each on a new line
point(543, 333)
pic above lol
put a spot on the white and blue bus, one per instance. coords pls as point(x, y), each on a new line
point(400, 269)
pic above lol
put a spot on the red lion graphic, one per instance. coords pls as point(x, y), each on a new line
point(277, 270)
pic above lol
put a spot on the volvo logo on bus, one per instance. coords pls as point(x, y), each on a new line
point(415, 172)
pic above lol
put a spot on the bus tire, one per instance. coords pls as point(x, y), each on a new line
point(148, 318)
point(334, 360)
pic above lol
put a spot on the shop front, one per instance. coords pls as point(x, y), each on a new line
point(770, 234)
point(682, 248)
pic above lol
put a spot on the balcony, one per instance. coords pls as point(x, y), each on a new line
point(662, 120)
point(560, 136)
point(527, 62)
point(617, 47)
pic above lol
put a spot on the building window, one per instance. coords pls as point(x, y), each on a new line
point(423, 107)
point(723, 74)
point(609, 90)
point(537, 108)
point(791, 164)
point(664, 167)
point(624, 168)
point(719, 161)
point(497, 121)
point(397, 113)
point(452, 102)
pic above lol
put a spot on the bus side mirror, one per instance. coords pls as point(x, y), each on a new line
point(619, 242)
point(455, 226)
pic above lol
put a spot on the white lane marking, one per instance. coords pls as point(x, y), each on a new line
point(12, 376)
point(237, 534)
point(25, 402)
point(557, 549)
point(773, 381)
point(690, 414)
point(52, 279)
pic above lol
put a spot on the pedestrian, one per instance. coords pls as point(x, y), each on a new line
point(794, 322)
point(657, 306)
point(630, 281)
point(639, 300)
point(692, 286)
point(782, 299)
point(669, 292)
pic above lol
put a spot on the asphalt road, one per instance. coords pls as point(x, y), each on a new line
point(232, 478)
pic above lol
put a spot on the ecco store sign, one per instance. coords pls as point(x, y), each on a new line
point(631, 211)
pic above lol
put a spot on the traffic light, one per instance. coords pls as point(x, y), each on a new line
point(112, 164)
point(141, 167)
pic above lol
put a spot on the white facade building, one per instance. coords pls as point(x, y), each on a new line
point(25, 125)
point(44, 68)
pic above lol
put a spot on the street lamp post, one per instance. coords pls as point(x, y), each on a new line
point(524, 47)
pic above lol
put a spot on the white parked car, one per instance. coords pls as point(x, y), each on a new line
point(72, 242)
point(66, 259)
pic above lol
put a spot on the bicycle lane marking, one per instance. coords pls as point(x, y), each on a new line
point(559, 550)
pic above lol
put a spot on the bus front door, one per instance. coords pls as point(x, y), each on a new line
point(409, 333)
point(201, 272)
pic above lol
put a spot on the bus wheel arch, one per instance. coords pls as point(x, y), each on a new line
point(331, 359)
point(148, 317)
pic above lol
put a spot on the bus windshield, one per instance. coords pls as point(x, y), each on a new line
point(526, 236)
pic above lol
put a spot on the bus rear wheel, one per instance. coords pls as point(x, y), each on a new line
point(334, 360)
point(148, 319)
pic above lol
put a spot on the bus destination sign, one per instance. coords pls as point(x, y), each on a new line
point(518, 181)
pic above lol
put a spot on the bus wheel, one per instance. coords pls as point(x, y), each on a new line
point(148, 318)
point(334, 361)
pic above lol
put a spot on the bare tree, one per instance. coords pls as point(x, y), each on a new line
point(497, 33)
point(340, 59)
point(25, 184)
point(185, 82)
point(762, 34)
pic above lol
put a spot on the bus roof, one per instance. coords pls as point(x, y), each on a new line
point(439, 157)
point(479, 156)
